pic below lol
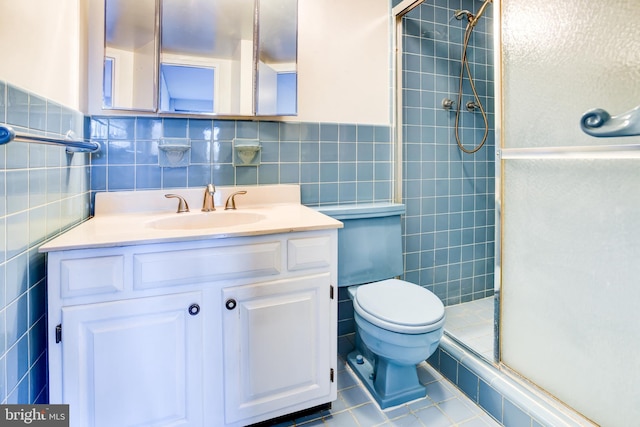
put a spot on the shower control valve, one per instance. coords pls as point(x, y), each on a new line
point(448, 104)
point(471, 106)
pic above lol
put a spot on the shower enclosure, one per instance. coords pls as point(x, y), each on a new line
point(449, 226)
point(571, 228)
point(567, 265)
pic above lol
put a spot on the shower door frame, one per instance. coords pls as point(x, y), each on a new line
point(397, 13)
point(497, 78)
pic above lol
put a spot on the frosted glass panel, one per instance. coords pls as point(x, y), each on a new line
point(571, 282)
point(562, 58)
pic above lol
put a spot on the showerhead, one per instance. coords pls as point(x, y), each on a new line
point(473, 20)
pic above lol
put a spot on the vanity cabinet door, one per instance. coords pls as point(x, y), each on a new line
point(134, 362)
point(277, 348)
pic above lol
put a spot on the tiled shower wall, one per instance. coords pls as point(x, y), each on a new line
point(43, 191)
point(449, 195)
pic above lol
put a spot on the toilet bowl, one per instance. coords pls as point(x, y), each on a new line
point(398, 324)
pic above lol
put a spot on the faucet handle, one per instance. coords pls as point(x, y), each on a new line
point(182, 203)
point(231, 200)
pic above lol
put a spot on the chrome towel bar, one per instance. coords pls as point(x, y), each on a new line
point(7, 134)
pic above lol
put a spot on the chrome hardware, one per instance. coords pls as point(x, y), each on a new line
point(471, 106)
point(231, 200)
point(600, 123)
point(59, 334)
point(473, 19)
point(461, 14)
point(448, 104)
point(230, 304)
point(182, 203)
point(207, 203)
point(73, 144)
point(194, 309)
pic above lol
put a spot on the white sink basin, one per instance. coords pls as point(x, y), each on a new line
point(204, 220)
point(146, 217)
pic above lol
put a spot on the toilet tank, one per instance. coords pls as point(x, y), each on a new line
point(370, 244)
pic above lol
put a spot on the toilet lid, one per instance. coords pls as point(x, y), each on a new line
point(399, 306)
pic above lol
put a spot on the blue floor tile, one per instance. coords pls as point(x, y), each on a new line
point(444, 406)
point(432, 416)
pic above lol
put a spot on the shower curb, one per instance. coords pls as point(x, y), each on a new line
point(509, 399)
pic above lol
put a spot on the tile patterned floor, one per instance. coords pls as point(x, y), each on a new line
point(444, 405)
point(471, 323)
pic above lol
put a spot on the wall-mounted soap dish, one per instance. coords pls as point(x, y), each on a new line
point(246, 152)
point(174, 152)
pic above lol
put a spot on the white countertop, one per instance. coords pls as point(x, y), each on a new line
point(127, 218)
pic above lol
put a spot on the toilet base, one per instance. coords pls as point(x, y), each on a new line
point(393, 384)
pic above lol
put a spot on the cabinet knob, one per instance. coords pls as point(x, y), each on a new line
point(194, 309)
point(230, 304)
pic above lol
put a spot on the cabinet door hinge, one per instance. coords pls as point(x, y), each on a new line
point(331, 292)
point(58, 334)
point(331, 375)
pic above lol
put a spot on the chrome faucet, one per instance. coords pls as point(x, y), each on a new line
point(208, 203)
point(231, 200)
point(183, 206)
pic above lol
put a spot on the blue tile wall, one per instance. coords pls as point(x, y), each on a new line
point(332, 162)
point(449, 196)
point(43, 192)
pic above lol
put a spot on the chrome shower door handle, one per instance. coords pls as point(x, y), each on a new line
point(600, 123)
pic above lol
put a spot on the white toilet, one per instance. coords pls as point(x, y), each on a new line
point(398, 324)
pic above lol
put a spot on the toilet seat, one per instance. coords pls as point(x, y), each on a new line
point(399, 306)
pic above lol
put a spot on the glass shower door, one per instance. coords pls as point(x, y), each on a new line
point(570, 251)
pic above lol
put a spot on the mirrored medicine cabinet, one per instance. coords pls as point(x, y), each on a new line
point(214, 57)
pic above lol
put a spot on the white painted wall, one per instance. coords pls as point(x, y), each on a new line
point(343, 61)
point(41, 48)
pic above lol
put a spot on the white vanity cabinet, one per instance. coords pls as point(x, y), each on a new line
point(276, 345)
point(213, 332)
point(134, 362)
